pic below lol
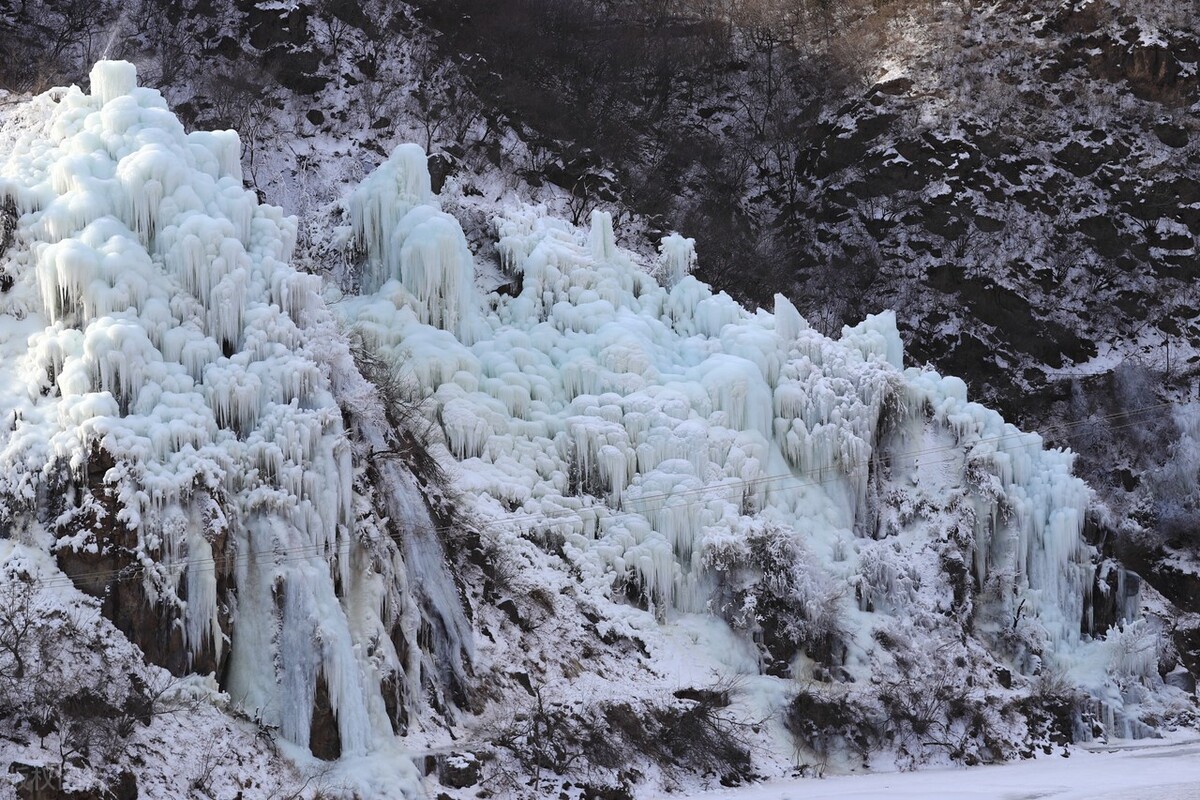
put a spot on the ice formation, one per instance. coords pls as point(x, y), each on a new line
point(678, 256)
point(167, 365)
point(156, 331)
point(413, 243)
point(639, 419)
point(645, 425)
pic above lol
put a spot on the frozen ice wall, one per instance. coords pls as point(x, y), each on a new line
point(155, 327)
point(647, 425)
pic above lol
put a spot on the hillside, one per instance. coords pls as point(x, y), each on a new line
point(456, 482)
point(1016, 180)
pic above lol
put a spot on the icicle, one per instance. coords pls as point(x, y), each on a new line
point(226, 149)
point(203, 625)
point(877, 335)
point(436, 266)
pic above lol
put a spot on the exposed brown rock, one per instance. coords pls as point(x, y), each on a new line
point(324, 740)
point(111, 572)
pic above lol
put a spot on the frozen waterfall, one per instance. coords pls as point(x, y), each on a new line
point(175, 392)
point(651, 424)
point(160, 330)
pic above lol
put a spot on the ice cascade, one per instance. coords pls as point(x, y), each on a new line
point(651, 426)
point(183, 388)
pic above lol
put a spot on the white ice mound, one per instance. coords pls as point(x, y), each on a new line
point(162, 362)
point(410, 240)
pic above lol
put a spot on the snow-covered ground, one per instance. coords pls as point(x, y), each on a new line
point(1163, 770)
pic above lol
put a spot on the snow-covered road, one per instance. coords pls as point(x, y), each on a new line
point(1155, 771)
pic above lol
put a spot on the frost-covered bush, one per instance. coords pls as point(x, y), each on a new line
point(609, 742)
point(1134, 649)
point(769, 587)
point(929, 699)
point(886, 583)
point(941, 697)
point(8, 225)
point(1176, 484)
point(829, 720)
point(1056, 713)
point(62, 680)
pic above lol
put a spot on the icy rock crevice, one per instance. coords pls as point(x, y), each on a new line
point(155, 326)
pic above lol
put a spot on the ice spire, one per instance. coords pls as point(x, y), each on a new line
point(603, 240)
point(112, 79)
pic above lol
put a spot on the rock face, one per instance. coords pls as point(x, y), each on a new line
point(323, 740)
point(110, 571)
point(1183, 589)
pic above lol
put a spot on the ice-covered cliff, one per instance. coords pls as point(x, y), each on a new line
point(188, 429)
point(652, 432)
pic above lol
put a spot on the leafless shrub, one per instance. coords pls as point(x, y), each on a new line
point(691, 733)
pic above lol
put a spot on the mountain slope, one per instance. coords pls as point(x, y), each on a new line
point(1016, 180)
point(624, 533)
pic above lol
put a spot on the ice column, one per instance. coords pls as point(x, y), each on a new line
point(436, 266)
point(602, 238)
point(678, 258)
point(788, 321)
point(111, 79)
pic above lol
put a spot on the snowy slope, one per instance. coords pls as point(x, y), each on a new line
point(671, 524)
point(1161, 771)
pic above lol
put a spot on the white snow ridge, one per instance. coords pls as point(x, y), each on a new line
point(171, 385)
